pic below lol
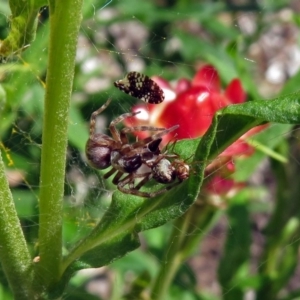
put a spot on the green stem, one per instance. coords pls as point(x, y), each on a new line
point(280, 256)
point(172, 259)
point(185, 237)
point(65, 17)
point(14, 255)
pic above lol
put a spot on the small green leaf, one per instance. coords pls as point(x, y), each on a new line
point(23, 24)
point(111, 250)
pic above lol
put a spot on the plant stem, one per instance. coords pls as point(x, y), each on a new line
point(14, 255)
point(185, 236)
point(171, 261)
point(280, 257)
point(65, 17)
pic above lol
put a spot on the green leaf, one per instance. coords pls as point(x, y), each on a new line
point(23, 24)
point(128, 214)
point(233, 121)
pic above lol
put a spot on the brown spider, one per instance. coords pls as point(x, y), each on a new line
point(160, 169)
point(103, 151)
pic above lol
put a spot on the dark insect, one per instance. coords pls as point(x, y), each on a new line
point(103, 151)
point(160, 169)
point(142, 87)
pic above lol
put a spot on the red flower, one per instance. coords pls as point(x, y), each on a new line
point(192, 104)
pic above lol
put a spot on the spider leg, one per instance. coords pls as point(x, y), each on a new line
point(129, 179)
point(131, 185)
point(167, 188)
point(141, 128)
point(153, 137)
point(142, 182)
point(170, 155)
point(114, 131)
point(171, 145)
point(139, 146)
point(109, 173)
point(131, 190)
point(117, 178)
point(94, 116)
point(136, 192)
point(157, 158)
point(126, 130)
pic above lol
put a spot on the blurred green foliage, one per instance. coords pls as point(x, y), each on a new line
point(172, 39)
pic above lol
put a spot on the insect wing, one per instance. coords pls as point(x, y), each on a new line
point(141, 87)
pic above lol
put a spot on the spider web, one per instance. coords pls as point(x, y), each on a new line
point(106, 51)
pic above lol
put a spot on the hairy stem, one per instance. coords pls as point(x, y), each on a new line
point(65, 17)
point(14, 255)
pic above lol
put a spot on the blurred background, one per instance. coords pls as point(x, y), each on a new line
point(254, 41)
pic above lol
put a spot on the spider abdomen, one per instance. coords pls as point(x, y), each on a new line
point(98, 151)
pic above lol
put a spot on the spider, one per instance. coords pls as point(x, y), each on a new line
point(103, 151)
point(161, 170)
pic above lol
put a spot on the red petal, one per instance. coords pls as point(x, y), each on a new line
point(235, 92)
point(230, 167)
point(255, 130)
point(238, 148)
point(192, 110)
point(221, 186)
point(218, 101)
point(163, 83)
point(208, 77)
point(241, 147)
point(182, 85)
point(222, 165)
